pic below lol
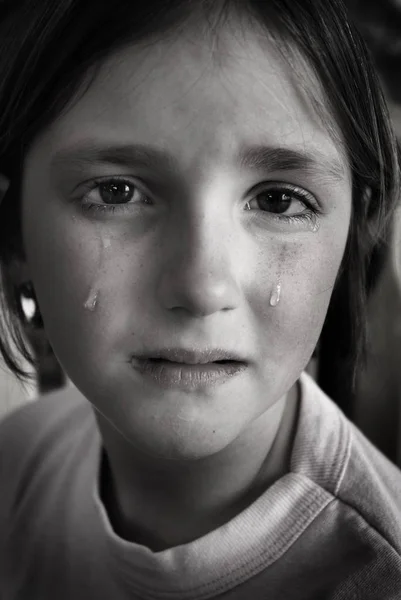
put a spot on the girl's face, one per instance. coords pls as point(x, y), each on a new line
point(190, 200)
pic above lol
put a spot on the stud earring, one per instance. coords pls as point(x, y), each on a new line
point(28, 306)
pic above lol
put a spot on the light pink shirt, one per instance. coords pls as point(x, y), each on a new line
point(328, 530)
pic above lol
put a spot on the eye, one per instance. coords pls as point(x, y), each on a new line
point(285, 205)
point(279, 201)
point(114, 192)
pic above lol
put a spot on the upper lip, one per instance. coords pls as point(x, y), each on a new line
point(192, 356)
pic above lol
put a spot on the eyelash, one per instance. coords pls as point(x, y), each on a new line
point(297, 193)
point(105, 208)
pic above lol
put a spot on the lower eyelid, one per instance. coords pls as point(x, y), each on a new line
point(296, 217)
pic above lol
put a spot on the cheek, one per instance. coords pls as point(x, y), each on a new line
point(80, 276)
point(62, 266)
point(307, 272)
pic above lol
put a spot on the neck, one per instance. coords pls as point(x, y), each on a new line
point(172, 502)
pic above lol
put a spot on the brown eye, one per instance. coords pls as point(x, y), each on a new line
point(116, 192)
point(284, 205)
point(275, 201)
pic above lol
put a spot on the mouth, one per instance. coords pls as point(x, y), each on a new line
point(193, 356)
point(189, 369)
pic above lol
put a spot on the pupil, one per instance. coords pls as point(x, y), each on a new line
point(274, 202)
point(115, 192)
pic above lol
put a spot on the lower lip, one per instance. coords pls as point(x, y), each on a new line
point(183, 376)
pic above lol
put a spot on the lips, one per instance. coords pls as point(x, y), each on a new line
point(189, 369)
point(193, 356)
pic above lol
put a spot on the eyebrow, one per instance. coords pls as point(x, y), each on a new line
point(272, 158)
point(120, 155)
point(260, 157)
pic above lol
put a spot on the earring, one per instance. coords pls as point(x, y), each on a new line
point(28, 306)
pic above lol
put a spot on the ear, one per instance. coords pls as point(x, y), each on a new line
point(20, 289)
point(17, 272)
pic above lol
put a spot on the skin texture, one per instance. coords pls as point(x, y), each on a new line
point(190, 268)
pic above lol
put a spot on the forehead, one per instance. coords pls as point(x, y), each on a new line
point(199, 97)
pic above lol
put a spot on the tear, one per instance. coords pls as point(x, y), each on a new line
point(276, 294)
point(92, 300)
point(314, 223)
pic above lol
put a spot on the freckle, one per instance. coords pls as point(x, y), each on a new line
point(282, 260)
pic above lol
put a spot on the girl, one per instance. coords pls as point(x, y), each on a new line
point(184, 185)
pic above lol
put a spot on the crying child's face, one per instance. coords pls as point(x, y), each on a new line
point(188, 208)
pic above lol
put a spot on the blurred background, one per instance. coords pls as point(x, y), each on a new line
point(375, 403)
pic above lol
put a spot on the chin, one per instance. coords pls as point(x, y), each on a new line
point(179, 439)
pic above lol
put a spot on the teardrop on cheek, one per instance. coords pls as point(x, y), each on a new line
point(314, 224)
point(276, 295)
point(92, 300)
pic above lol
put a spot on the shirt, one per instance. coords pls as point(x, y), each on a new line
point(329, 529)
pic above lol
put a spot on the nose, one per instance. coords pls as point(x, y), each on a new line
point(198, 276)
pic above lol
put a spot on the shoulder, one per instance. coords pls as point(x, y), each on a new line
point(34, 437)
point(364, 484)
point(372, 487)
point(30, 424)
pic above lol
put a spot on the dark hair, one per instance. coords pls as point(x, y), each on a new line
point(380, 25)
point(49, 48)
